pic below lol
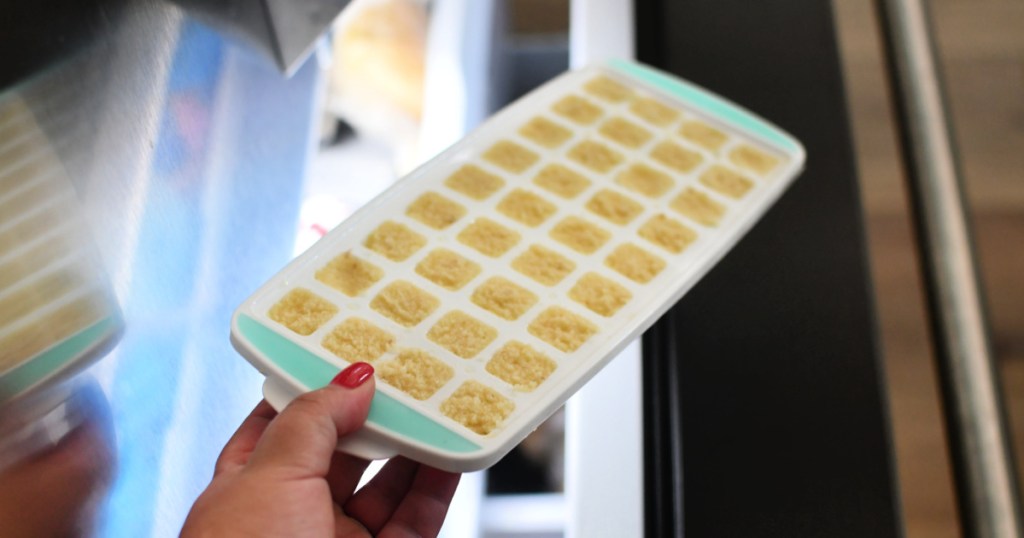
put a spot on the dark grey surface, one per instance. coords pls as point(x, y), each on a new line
point(38, 37)
point(766, 378)
point(285, 30)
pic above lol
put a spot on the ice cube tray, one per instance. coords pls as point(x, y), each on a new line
point(57, 314)
point(491, 283)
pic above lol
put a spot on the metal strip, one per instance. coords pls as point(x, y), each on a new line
point(976, 424)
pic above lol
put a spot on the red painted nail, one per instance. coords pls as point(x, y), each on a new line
point(356, 374)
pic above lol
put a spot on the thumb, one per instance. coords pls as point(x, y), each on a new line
point(303, 437)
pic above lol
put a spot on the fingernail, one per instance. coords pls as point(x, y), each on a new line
point(356, 374)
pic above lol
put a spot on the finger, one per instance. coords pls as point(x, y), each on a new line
point(238, 449)
point(377, 500)
point(422, 511)
point(303, 437)
point(346, 526)
point(344, 476)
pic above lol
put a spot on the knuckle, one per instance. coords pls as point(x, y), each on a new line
point(313, 409)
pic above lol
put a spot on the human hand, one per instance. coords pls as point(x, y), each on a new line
point(280, 475)
point(57, 492)
point(58, 489)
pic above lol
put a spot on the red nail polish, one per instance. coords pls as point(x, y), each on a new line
point(356, 374)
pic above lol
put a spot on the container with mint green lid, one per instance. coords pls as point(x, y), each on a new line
point(491, 283)
point(57, 314)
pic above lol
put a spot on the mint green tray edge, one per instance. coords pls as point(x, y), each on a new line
point(706, 101)
point(44, 365)
point(313, 372)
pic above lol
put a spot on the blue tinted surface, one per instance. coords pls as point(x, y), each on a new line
point(218, 218)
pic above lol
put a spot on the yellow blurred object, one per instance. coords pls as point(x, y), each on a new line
point(379, 51)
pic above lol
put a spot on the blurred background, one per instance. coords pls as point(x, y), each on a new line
point(201, 170)
point(981, 52)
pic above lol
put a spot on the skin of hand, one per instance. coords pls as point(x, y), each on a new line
point(57, 492)
point(280, 475)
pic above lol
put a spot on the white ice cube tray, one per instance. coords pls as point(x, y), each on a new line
point(491, 283)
